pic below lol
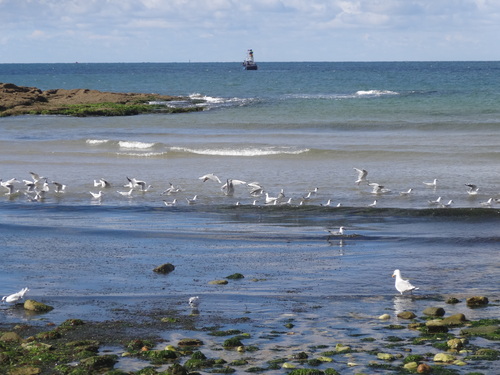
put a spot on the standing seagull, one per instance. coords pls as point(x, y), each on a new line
point(402, 285)
point(15, 297)
point(194, 302)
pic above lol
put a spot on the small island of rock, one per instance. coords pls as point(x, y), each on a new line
point(20, 100)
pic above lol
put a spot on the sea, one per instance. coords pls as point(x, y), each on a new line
point(299, 131)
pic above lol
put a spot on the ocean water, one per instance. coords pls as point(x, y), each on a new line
point(288, 126)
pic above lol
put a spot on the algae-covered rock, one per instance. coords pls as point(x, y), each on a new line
point(434, 311)
point(386, 356)
point(164, 268)
point(454, 320)
point(456, 344)
point(233, 342)
point(26, 370)
point(40, 307)
point(177, 369)
point(489, 332)
point(235, 276)
point(406, 315)
point(444, 357)
point(477, 301)
point(11, 336)
point(410, 366)
point(306, 371)
point(218, 282)
point(99, 362)
point(452, 301)
point(190, 342)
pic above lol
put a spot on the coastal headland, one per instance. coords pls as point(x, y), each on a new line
point(21, 100)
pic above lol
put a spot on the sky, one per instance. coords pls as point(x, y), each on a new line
point(50, 31)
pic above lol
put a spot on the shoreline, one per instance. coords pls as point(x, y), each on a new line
point(164, 339)
point(21, 100)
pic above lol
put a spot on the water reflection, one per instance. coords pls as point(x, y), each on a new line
point(403, 303)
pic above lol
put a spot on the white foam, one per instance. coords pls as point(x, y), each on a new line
point(142, 154)
point(96, 141)
point(240, 152)
point(375, 92)
point(135, 144)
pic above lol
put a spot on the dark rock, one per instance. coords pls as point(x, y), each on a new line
point(406, 315)
point(164, 268)
point(477, 301)
point(434, 311)
point(452, 300)
point(454, 320)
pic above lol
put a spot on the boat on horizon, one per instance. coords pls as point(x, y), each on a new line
point(249, 63)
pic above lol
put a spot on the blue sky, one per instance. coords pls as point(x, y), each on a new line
point(222, 30)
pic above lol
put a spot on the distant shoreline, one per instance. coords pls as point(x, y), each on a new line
point(21, 100)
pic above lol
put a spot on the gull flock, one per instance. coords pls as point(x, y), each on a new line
point(38, 188)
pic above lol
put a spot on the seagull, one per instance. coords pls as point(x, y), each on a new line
point(96, 195)
point(378, 189)
point(171, 203)
point(328, 203)
point(192, 200)
point(437, 201)
point(5, 184)
point(406, 193)
point(256, 189)
point(431, 184)
point(362, 173)
point(339, 232)
point(210, 176)
point(36, 177)
point(102, 183)
point(445, 205)
point(402, 286)
point(15, 297)
point(137, 183)
point(374, 204)
point(270, 200)
point(171, 190)
point(194, 302)
point(30, 185)
point(11, 191)
point(488, 203)
point(228, 187)
point(473, 189)
point(59, 187)
point(126, 193)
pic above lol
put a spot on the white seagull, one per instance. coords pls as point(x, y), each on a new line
point(194, 302)
point(171, 203)
point(210, 176)
point(102, 183)
point(126, 193)
point(15, 297)
point(437, 201)
point(362, 173)
point(374, 204)
point(192, 200)
point(472, 190)
point(60, 188)
point(378, 189)
point(96, 195)
point(402, 285)
point(446, 205)
point(431, 184)
point(339, 232)
point(406, 193)
point(488, 203)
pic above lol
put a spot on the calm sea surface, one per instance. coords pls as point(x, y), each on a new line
point(290, 126)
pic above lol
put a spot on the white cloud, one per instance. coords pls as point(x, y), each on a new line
point(284, 29)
